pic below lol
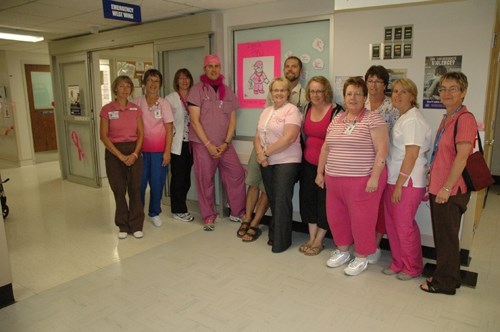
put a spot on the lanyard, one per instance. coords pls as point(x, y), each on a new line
point(440, 133)
point(184, 102)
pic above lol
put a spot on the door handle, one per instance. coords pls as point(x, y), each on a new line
point(489, 141)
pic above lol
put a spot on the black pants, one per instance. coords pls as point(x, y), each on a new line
point(446, 220)
point(279, 181)
point(312, 197)
point(180, 166)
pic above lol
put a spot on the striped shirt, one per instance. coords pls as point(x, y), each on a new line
point(351, 153)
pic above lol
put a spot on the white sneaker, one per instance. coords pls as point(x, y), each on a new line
point(156, 220)
point(122, 235)
point(183, 216)
point(338, 258)
point(356, 266)
point(138, 234)
point(373, 258)
point(236, 219)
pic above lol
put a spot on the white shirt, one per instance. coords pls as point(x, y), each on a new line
point(410, 129)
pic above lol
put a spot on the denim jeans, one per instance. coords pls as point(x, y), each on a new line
point(154, 174)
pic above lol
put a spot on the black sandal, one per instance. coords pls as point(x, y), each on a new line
point(243, 229)
point(434, 290)
point(256, 233)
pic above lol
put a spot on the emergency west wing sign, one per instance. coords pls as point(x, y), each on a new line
point(121, 11)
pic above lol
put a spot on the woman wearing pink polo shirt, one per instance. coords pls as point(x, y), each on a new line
point(278, 150)
point(121, 131)
point(448, 193)
point(158, 132)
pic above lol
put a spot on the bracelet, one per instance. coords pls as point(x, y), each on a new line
point(265, 154)
point(135, 155)
point(403, 174)
point(206, 144)
point(228, 143)
point(447, 189)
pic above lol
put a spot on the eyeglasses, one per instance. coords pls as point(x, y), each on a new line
point(354, 94)
point(453, 89)
point(279, 90)
point(316, 92)
point(374, 82)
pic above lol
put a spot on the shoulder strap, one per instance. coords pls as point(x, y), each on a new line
point(480, 145)
point(338, 109)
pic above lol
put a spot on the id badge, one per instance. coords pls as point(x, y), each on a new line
point(349, 128)
point(115, 115)
point(157, 114)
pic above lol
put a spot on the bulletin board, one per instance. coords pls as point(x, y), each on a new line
point(310, 41)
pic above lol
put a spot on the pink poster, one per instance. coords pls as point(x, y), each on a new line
point(258, 63)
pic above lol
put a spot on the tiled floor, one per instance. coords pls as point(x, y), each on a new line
point(71, 273)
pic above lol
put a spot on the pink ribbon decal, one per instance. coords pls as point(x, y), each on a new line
point(76, 142)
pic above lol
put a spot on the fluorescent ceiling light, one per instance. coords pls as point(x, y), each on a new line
point(18, 37)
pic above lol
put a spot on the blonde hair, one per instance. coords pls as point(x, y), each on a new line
point(409, 86)
point(283, 80)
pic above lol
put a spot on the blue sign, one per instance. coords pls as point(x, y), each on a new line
point(121, 11)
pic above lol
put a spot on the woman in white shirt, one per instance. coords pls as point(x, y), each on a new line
point(182, 159)
point(407, 166)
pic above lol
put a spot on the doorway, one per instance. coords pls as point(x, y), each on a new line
point(40, 98)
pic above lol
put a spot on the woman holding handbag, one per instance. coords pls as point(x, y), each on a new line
point(447, 189)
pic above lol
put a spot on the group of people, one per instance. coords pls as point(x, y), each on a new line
point(363, 168)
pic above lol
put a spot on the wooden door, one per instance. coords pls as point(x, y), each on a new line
point(40, 97)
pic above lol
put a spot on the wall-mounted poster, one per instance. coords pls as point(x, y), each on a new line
point(394, 74)
point(258, 63)
point(435, 67)
point(75, 107)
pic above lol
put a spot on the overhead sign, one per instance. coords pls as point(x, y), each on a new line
point(121, 11)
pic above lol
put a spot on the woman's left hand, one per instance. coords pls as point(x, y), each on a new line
point(442, 196)
point(166, 159)
point(129, 160)
point(396, 194)
point(371, 185)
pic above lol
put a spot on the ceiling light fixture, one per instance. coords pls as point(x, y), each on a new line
point(18, 37)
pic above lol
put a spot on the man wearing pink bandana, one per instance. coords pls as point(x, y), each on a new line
point(212, 112)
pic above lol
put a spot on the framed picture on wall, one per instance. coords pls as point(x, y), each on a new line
point(387, 51)
point(388, 33)
point(257, 64)
point(398, 33)
point(407, 50)
point(396, 51)
point(408, 32)
point(374, 51)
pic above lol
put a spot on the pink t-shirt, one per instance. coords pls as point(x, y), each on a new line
point(271, 127)
point(122, 123)
point(315, 133)
point(154, 119)
point(351, 153)
point(445, 153)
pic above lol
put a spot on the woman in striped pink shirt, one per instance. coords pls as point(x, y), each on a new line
point(352, 167)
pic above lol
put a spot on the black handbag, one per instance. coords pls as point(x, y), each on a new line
point(476, 174)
